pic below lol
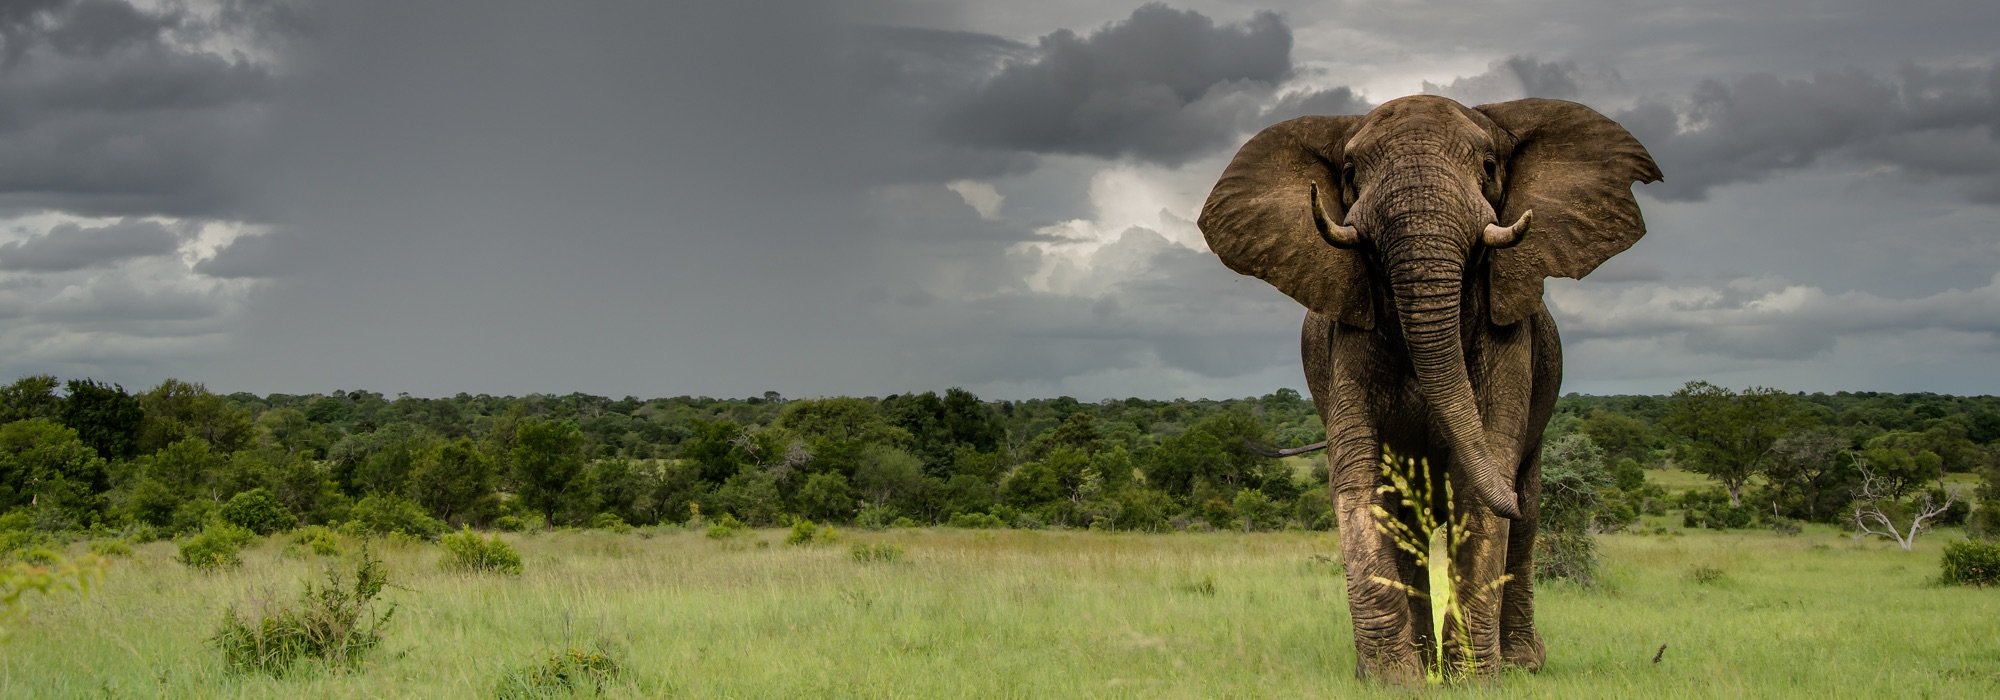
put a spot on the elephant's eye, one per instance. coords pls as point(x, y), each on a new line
point(1347, 175)
point(1492, 167)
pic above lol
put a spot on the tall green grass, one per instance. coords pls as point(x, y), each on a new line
point(1020, 614)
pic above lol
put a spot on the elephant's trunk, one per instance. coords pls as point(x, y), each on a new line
point(1428, 281)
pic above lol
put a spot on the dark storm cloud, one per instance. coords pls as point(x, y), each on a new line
point(1923, 123)
point(1340, 100)
point(71, 247)
point(1516, 77)
point(1164, 85)
point(105, 112)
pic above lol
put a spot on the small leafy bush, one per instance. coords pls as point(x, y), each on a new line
point(314, 539)
point(609, 521)
point(220, 545)
point(1970, 563)
point(384, 515)
point(726, 527)
point(806, 534)
point(258, 511)
point(976, 521)
point(334, 622)
point(1566, 556)
point(1710, 509)
point(883, 552)
point(111, 548)
point(1205, 587)
point(1706, 575)
point(877, 518)
point(466, 550)
point(559, 675)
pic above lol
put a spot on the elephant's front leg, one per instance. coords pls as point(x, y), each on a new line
point(1472, 629)
point(1378, 601)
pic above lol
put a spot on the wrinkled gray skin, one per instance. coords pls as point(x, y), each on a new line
point(1418, 236)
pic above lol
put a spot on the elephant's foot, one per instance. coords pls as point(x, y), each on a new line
point(1523, 649)
point(1403, 669)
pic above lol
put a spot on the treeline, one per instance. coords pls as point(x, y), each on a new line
point(82, 454)
point(1775, 456)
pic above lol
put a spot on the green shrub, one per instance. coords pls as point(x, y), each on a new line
point(217, 546)
point(1706, 575)
point(726, 527)
point(877, 518)
point(333, 622)
point(902, 522)
point(257, 511)
point(609, 521)
point(466, 550)
point(1566, 556)
point(111, 548)
point(193, 515)
point(382, 515)
point(530, 522)
point(975, 521)
point(882, 552)
point(1970, 563)
point(806, 534)
point(559, 675)
point(1984, 522)
point(314, 540)
point(1710, 509)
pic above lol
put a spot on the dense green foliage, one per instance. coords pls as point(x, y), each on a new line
point(467, 551)
point(82, 455)
point(1970, 563)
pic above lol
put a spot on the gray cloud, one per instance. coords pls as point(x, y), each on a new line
point(71, 247)
point(1163, 85)
point(1923, 123)
point(246, 257)
point(105, 112)
point(1526, 76)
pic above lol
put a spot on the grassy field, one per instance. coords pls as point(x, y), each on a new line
point(1027, 614)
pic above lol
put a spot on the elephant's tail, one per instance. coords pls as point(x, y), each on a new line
point(1269, 451)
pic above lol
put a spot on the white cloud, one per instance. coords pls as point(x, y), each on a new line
point(980, 196)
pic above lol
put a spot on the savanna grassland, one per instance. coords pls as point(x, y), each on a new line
point(1009, 613)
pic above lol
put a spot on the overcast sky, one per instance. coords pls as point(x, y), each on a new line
point(816, 198)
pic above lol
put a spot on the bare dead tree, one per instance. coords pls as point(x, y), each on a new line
point(1874, 514)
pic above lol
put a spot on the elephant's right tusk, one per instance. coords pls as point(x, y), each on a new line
point(1498, 236)
point(1336, 235)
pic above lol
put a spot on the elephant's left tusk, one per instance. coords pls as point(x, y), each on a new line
point(1498, 236)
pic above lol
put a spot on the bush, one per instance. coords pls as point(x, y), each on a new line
point(257, 511)
point(333, 622)
point(726, 527)
point(1985, 522)
point(877, 518)
point(1706, 575)
point(1953, 516)
point(609, 521)
point(884, 552)
point(384, 515)
point(466, 550)
point(1566, 556)
point(111, 548)
point(1710, 509)
point(559, 675)
point(806, 534)
point(531, 522)
point(217, 546)
point(314, 539)
point(1970, 563)
point(975, 521)
point(194, 515)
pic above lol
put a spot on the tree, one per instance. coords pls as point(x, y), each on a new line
point(826, 497)
point(1811, 475)
point(45, 464)
point(453, 481)
point(1728, 435)
point(32, 396)
point(887, 476)
point(1876, 512)
point(104, 417)
point(1900, 462)
point(547, 456)
point(1178, 462)
point(1619, 435)
point(176, 410)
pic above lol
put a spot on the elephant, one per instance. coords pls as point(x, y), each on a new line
point(1418, 237)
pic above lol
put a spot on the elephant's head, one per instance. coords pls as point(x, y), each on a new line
point(1413, 199)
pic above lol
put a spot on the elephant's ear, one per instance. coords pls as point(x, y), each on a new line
point(1575, 169)
point(1259, 218)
